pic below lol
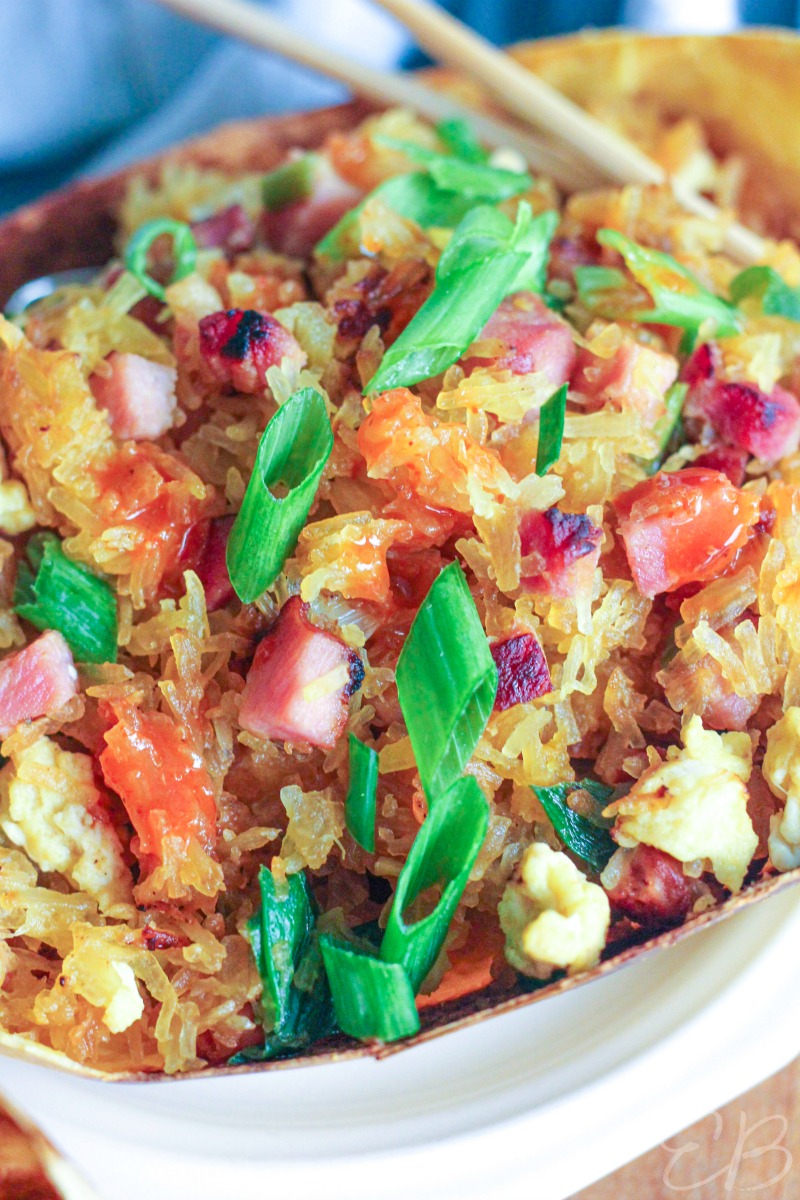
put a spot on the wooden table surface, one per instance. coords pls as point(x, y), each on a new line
point(750, 1148)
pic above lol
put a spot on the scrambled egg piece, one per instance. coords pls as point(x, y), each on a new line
point(46, 800)
point(552, 916)
point(16, 511)
point(93, 970)
point(782, 773)
point(694, 805)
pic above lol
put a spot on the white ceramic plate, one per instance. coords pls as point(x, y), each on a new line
point(549, 1099)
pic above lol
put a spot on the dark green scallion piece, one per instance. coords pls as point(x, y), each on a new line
point(371, 998)
point(360, 804)
point(588, 836)
point(551, 430)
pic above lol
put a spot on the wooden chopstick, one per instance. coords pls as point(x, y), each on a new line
point(449, 41)
point(260, 28)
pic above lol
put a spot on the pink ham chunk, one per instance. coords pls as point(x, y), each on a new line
point(765, 424)
point(299, 686)
point(531, 340)
point(730, 460)
point(204, 551)
point(138, 395)
point(230, 230)
point(36, 681)
point(635, 379)
point(296, 228)
point(651, 888)
point(239, 347)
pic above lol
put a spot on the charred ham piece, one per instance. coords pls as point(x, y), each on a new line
point(36, 681)
point(299, 686)
point(648, 886)
point(562, 548)
point(239, 346)
point(138, 395)
point(522, 671)
point(766, 425)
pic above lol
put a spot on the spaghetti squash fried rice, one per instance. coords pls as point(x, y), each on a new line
point(399, 594)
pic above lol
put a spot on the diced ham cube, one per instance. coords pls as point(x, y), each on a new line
point(36, 681)
point(730, 460)
point(230, 230)
point(296, 228)
point(559, 551)
point(299, 686)
point(522, 671)
point(567, 253)
point(138, 395)
point(205, 554)
point(683, 527)
point(240, 345)
point(702, 683)
point(724, 709)
point(650, 888)
point(702, 365)
point(766, 424)
point(533, 339)
point(635, 378)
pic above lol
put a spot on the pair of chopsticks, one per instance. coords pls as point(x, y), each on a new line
point(578, 151)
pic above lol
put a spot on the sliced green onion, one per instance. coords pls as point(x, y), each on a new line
point(413, 196)
point(668, 428)
point(484, 231)
point(371, 998)
point(459, 138)
point(533, 236)
point(293, 451)
point(594, 284)
point(478, 181)
point(679, 298)
point(446, 682)
point(53, 592)
point(447, 324)
point(443, 853)
point(487, 258)
point(296, 1000)
point(184, 251)
point(778, 298)
point(359, 806)
point(586, 836)
point(289, 183)
point(551, 430)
